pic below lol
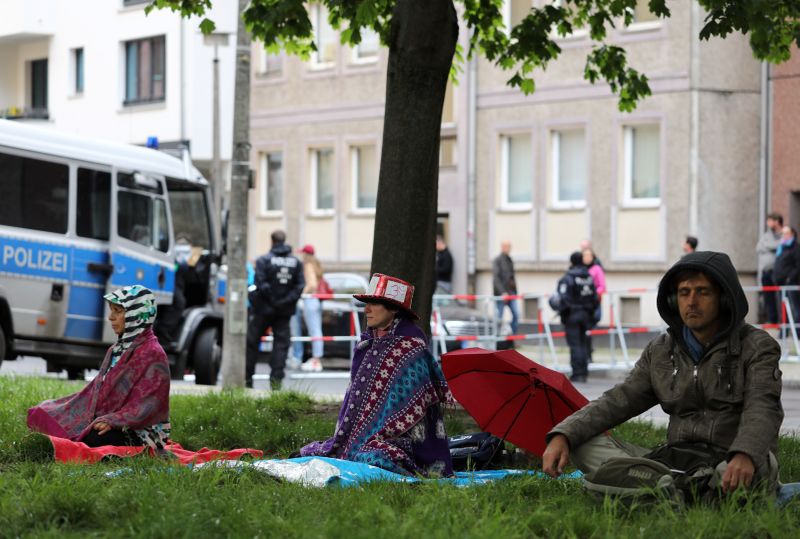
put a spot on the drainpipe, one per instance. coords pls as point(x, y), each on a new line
point(183, 81)
point(472, 118)
point(764, 151)
point(694, 127)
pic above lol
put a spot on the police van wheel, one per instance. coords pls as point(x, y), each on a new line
point(207, 355)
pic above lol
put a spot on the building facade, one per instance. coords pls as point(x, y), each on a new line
point(102, 68)
point(542, 171)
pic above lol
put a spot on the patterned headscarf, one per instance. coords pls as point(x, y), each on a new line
point(140, 313)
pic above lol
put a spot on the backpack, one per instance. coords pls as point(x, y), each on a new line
point(475, 451)
point(323, 287)
point(680, 473)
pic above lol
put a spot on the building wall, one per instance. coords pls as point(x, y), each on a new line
point(785, 159)
point(98, 111)
point(706, 111)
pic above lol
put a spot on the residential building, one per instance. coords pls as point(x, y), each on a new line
point(548, 170)
point(783, 190)
point(103, 68)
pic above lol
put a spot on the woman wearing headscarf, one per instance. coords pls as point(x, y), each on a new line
point(127, 403)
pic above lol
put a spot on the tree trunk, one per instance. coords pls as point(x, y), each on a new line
point(233, 351)
point(423, 40)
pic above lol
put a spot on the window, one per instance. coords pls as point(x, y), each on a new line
point(77, 61)
point(364, 167)
point(516, 171)
point(449, 106)
point(142, 217)
point(33, 193)
point(93, 204)
point(514, 11)
point(38, 96)
point(367, 50)
point(324, 38)
point(269, 65)
point(568, 167)
point(322, 179)
point(272, 174)
point(642, 14)
point(189, 214)
point(448, 156)
point(642, 156)
point(144, 70)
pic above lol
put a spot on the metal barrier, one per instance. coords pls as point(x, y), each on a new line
point(489, 326)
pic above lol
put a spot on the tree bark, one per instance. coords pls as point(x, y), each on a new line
point(421, 48)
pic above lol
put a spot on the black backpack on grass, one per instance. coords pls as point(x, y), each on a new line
point(475, 451)
point(680, 473)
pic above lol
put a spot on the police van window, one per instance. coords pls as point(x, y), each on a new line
point(189, 214)
point(33, 193)
point(94, 204)
point(134, 217)
point(160, 226)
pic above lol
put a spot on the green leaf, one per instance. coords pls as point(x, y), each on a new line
point(207, 26)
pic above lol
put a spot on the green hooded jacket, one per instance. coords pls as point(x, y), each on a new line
point(730, 399)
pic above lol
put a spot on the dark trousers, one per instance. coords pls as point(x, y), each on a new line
point(771, 299)
point(113, 437)
point(577, 324)
point(280, 345)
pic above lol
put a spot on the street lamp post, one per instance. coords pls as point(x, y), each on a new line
point(216, 39)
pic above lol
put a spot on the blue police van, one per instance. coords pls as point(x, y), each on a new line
point(80, 217)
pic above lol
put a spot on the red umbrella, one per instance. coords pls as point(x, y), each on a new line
point(510, 395)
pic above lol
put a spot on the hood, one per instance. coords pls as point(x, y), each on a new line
point(283, 249)
point(718, 267)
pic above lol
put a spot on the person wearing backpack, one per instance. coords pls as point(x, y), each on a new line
point(716, 376)
point(578, 303)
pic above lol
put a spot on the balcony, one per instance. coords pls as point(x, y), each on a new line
point(27, 20)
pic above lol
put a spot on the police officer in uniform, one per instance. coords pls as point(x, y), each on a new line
point(279, 281)
point(579, 294)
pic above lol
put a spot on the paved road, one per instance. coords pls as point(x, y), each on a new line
point(331, 385)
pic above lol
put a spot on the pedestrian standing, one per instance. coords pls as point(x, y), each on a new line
point(690, 245)
point(505, 284)
point(599, 278)
point(579, 299)
point(766, 248)
point(444, 267)
point(787, 267)
point(278, 283)
point(312, 311)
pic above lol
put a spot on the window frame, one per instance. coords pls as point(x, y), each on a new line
point(264, 210)
point(628, 200)
point(127, 101)
point(505, 204)
point(353, 150)
point(314, 180)
point(78, 71)
point(555, 170)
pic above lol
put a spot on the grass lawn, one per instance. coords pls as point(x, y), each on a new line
point(160, 499)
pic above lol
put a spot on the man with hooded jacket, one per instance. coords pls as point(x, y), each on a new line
point(716, 376)
point(278, 284)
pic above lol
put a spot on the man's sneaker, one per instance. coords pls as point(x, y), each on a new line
point(312, 365)
point(293, 364)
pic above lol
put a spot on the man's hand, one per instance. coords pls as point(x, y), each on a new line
point(556, 456)
point(739, 472)
point(101, 427)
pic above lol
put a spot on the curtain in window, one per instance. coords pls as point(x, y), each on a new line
point(519, 169)
point(571, 165)
point(366, 168)
point(324, 160)
point(646, 162)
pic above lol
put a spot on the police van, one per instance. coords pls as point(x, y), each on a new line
point(81, 217)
